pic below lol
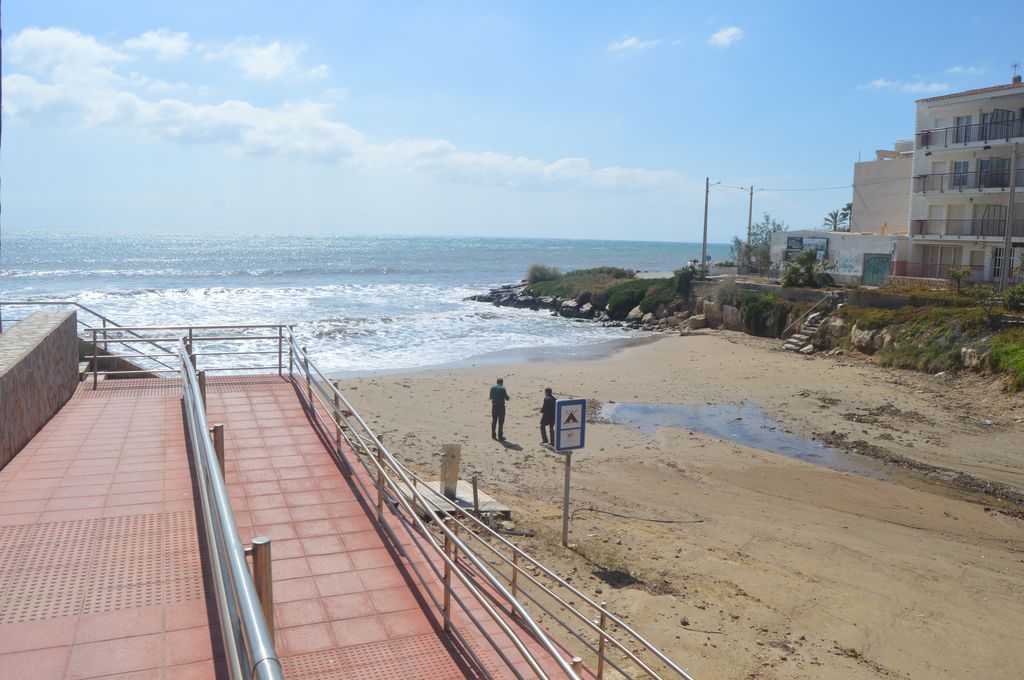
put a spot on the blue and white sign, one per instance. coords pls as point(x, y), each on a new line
point(570, 424)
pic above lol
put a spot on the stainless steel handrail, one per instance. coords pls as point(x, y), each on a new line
point(249, 649)
point(828, 296)
point(450, 536)
point(342, 412)
point(106, 322)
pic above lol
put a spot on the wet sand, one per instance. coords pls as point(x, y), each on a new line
point(782, 567)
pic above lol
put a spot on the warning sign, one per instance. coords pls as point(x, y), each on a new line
point(570, 424)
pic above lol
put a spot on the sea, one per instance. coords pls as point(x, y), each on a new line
point(361, 304)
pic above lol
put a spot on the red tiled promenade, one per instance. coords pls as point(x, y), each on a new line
point(345, 604)
point(100, 572)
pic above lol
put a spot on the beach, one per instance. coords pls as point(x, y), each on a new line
point(762, 565)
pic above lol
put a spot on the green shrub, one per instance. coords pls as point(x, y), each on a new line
point(663, 291)
point(958, 275)
point(1013, 298)
point(727, 293)
point(755, 311)
point(805, 270)
point(1008, 356)
point(684, 281)
point(625, 296)
point(540, 272)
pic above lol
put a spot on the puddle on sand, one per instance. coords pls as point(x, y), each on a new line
point(742, 423)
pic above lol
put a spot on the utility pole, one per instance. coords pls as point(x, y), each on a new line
point(1004, 271)
point(704, 243)
point(750, 223)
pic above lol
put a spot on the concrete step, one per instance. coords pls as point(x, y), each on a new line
point(799, 336)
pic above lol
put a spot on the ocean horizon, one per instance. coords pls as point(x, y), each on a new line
point(361, 303)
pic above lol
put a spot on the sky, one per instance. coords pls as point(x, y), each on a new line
point(539, 119)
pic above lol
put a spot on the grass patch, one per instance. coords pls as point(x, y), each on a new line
point(921, 320)
point(1008, 356)
point(569, 285)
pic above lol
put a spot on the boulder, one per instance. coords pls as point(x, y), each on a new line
point(973, 359)
point(731, 318)
point(807, 349)
point(882, 339)
point(648, 319)
point(661, 311)
point(837, 327)
point(635, 314)
point(586, 311)
point(683, 315)
point(583, 298)
point(568, 309)
point(697, 322)
point(678, 306)
point(863, 340)
point(713, 314)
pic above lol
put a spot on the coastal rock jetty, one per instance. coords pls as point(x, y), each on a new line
point(587, 306)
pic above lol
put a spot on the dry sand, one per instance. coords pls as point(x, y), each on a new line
point(783, 568)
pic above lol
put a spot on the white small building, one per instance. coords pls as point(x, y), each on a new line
point(859, 258)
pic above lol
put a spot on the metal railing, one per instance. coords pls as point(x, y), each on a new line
point(827, 297)
point(965, 227)
point(248, 641)
point(968, 134)
point(103, 321)
point(977, 180)
point(223, 340)
point(444, 538)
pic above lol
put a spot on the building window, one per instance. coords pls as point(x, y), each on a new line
point(997, 262)
point(962, 129)
point(959, 178)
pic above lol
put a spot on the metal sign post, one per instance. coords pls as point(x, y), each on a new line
point(570, 430)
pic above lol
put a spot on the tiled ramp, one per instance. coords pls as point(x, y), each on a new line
point(346, 603)
point(100, 570)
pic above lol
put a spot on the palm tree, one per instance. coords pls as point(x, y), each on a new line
point(835, 221)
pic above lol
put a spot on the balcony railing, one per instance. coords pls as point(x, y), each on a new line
point(977, 227)
point(967, 134)
point(934, 270)
point(967, 181)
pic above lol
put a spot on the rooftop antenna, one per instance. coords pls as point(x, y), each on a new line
point(1015, 66)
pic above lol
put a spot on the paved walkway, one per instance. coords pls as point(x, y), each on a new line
point(346, 604)
point(100, 568)
point(100, 571)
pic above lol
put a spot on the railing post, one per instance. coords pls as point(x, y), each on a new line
point(476, 497)
point(201, 377)
point(380, 486)
point(191, 351)
point(95, 360)
point(447, 583)
point(280, 347)
point(577, 666)
point(263, 580)
point(515, 577)
point(337, 417)
point(291, 351)
point(600, 644)
point(217, 432)
point(309, 379)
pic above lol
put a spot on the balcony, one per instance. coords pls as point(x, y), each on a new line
point(963, 135)
point(979, 228)
point(967, 181)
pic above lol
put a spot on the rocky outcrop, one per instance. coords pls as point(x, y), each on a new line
point(838, 327)
point(697, 322)
point(973, 359)
point(731, 318)
point(713, 314)
point(863, 340)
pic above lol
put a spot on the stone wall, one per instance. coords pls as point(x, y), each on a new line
point(38, 374)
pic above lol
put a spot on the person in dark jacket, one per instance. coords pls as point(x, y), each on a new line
point(547, 418)
point(498, 398)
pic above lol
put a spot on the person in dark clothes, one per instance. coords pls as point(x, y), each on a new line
point(547, 418)
point(498, 398)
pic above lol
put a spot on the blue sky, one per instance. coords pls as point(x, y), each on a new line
point(562, 119)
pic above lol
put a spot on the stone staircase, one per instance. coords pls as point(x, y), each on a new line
point(801, 342)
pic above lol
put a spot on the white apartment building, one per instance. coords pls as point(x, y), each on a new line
point(960, 203)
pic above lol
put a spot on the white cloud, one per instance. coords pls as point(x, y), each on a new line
point(88, 92)
point(165, 44)
point(726, 36)
point(265, 62)
point(912, 87)
point(631, 42)
point(965, 70)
